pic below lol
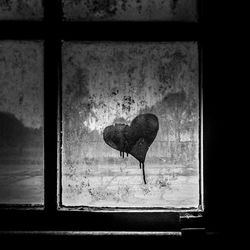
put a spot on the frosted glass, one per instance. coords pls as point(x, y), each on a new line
point(107, 90)
point(21, 123)
point(130, 10)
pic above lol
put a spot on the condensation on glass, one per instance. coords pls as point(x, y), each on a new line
point(130, 10)
point(21, 122)
point(110, 84)
point(21, 9)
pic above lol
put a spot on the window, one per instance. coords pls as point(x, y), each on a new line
point(21, 10)
point(21, 128)
point(106, 86)
point(132, 10)
point(77, 55)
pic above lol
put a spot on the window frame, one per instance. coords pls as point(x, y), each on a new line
point(50, 216)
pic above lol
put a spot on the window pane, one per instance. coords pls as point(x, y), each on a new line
point(135, 98)
point(21, 122)
point(21, 9)
point(134, 10)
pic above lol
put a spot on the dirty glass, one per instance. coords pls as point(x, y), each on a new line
point(130, 125)
point(130, 10)
point(21, 9)
point(21, 122)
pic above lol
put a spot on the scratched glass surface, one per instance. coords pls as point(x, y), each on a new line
point(130, 10)
point(130, 125)
point(21, 122)
point(21, 9)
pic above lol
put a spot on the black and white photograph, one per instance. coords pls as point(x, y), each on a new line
point(117, 125)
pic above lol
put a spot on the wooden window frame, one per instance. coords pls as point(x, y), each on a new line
point(52, 30)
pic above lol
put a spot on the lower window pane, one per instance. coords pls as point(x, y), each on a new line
point(130, 125)
point(21, 122)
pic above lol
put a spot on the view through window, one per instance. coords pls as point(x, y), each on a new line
point(130, 124)
point(21, 122)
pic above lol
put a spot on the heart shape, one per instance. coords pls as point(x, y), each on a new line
point(134, 139)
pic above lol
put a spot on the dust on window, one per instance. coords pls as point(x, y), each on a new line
point(21, 122)
point(130, 125)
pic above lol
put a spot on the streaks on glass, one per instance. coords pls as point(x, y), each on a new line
point(134, 139)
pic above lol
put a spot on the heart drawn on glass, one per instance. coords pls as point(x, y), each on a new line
point(134, 139)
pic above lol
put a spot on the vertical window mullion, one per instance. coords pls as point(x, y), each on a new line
point(51, 71)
